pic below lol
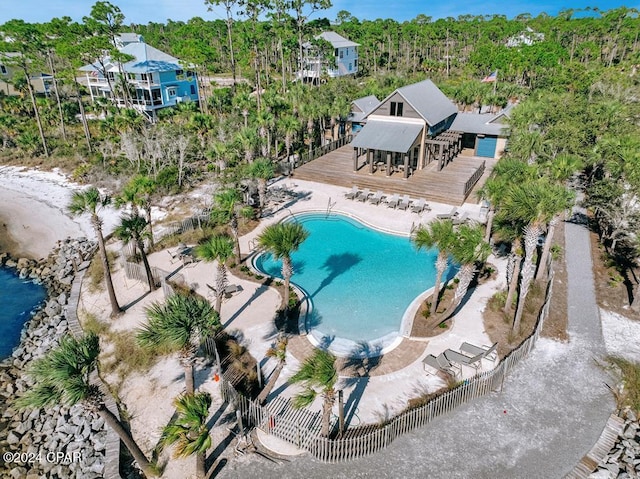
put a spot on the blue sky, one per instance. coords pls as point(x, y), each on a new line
point(143, 11)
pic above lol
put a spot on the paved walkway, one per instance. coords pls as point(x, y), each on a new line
point(551, 411)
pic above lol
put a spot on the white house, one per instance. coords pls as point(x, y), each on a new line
point(528, 37)
point(345, 55)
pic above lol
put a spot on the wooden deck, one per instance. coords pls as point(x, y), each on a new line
point(445, 186)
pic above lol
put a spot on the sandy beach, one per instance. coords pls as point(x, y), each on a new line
point(33, 212)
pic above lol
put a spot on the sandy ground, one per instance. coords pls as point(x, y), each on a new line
point(33, 212)
point(32, 199)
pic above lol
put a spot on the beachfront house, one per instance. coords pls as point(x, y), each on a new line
point(41, 82)
point(408, 130)
point(316, 63)
point(148, 81)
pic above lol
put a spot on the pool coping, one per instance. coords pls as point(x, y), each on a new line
point(343, 347)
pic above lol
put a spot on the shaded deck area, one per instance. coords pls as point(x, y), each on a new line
point(454, 184)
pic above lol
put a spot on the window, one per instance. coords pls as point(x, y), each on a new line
point(144, 77)
point(179, 72)
point(193, 89)
point(341, 53)
point(3, 69)
point(336, 53)
point(355, 63)
point(396, 108)
point(350, 66)
point(171, 91)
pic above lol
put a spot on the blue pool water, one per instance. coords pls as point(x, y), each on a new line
point(18, 298)
point(360, 280)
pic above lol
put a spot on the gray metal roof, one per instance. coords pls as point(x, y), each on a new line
point(478, 124)
point(365, 105)
point(387, 135)
point(427, 99)
point(337, 41)
point(147, 59)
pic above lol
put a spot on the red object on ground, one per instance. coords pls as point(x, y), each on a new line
point(216, 377)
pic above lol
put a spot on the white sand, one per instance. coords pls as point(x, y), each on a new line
point(37, 200)
point(33, 212)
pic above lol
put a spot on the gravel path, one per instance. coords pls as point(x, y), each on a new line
point(550, 413)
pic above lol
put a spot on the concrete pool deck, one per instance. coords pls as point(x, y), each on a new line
point(398, 377)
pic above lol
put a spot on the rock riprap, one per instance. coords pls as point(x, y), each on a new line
point(58, 441)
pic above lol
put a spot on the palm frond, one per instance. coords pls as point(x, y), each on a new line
point(304, 399)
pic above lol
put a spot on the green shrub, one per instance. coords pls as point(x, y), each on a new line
point(91, 324)
point(497, 301)
point(629, 394)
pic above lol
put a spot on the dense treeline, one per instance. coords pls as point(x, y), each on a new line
point(577, 83)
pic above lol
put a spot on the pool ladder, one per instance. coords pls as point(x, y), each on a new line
point(330, 206)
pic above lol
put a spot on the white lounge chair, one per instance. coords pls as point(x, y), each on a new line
point(404, 204)
point(488, 352)
point(377, 198)
point(458, 220)
point(453, 211)
point(352, 194)
point(418, 206)
point(363, 195)
point(441, 363)
point(464, 360)
point(393, 201)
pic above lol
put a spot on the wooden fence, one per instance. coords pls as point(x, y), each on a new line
point(303, 429)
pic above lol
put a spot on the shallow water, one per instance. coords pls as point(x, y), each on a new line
point(18, 298)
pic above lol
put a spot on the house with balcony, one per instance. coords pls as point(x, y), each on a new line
point(42, 83)
point(316, 65)
point(147, 80)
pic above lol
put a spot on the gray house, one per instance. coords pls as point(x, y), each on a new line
point(408, 130)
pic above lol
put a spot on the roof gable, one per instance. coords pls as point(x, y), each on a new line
point(148, 59)
point(430, 103)
point(427, 100)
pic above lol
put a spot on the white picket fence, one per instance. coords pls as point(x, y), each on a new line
point(303, 431)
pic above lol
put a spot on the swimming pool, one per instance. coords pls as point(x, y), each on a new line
point(359, 280)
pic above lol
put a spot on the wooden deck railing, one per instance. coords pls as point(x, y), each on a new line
point(322, 150)
point(468, 186)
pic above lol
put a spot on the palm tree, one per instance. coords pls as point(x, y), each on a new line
point(228, 208)
point(218, 248)
point(91, 201)
point(63, 375)
point(289, 126)
point(282, 239)
point(535, 204)
point(469, 248)
point(317, 373)
point(188, 431)
point(262, 170)
point(133, 227)
point(181, 323)
point(279, 352)
point(438, 234)
point(137, 192)
point(506, 172)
